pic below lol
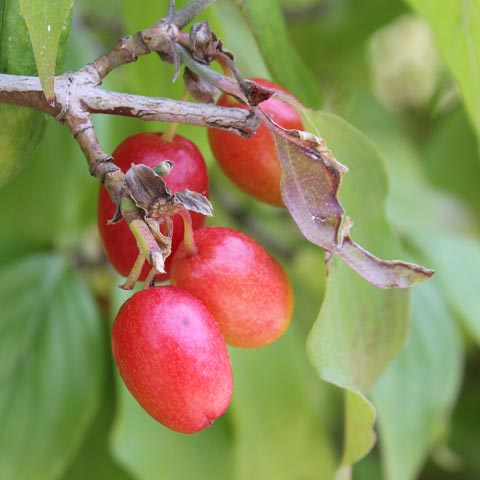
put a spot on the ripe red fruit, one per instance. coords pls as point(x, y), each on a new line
point(171, 355)
point(252, 163)
point(189, 172)
point(246, 290)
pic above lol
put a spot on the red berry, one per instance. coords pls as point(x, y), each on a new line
point(189, 172)
point(171, 355)
point(252, 163)
point(246, 290)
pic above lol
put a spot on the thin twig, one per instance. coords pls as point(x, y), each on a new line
point(186, 14)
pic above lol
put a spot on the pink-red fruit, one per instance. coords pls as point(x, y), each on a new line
point(252, 163)
point(189, 172)
point(246, 290)
point(171, 355)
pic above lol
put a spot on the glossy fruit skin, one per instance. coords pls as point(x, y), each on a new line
point(190, 172)
point(252, 163)
point(246, 290)
point(171, 355)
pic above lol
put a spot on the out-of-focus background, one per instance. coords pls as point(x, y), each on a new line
point(398, 78)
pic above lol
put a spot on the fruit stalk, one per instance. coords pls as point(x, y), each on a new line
point(146, 242)
point(188, 237)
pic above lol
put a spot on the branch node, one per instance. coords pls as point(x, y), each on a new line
point(78, 130)
point(102, 167)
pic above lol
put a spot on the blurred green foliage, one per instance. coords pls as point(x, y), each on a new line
point(63, 410)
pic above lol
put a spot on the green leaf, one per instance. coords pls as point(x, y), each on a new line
point(46, 21)
point(456, 27)
point(94, 459)
point(16, 55)
point(278, 414)
point(232, 28)
point(54, 198)
point(22, 130)
point(453, 137)
point(457, 260)
point(287, 69)
point(360, 418)
point(415, 394)
point(360, 328)
point(51, 366)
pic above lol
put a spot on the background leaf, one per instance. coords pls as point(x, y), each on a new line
point(278, 414)
point(51, 366)
point(287, 69)
point(94, 459)
point(54, 198)
point(46, 19)
point(22, 130)
point(456, 27)
point(415, 394)
point(458, 272)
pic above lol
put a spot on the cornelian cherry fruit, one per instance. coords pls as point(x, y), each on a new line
point(245, 289)
point(252, 163)
point(171, 355)
point(189, 171)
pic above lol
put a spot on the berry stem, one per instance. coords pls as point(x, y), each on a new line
point(169, 133)
point(188, 238)
point(135, 272)
point(150, 280)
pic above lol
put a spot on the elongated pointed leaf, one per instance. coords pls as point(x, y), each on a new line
point(22, 128)
point(51, 354)
point(46, 20)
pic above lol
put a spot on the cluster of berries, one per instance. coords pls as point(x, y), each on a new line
point(169, 342)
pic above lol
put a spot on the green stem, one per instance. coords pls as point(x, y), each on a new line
point(135, 272)
point(188, 238)
point(150, 280)
point(169, 133)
